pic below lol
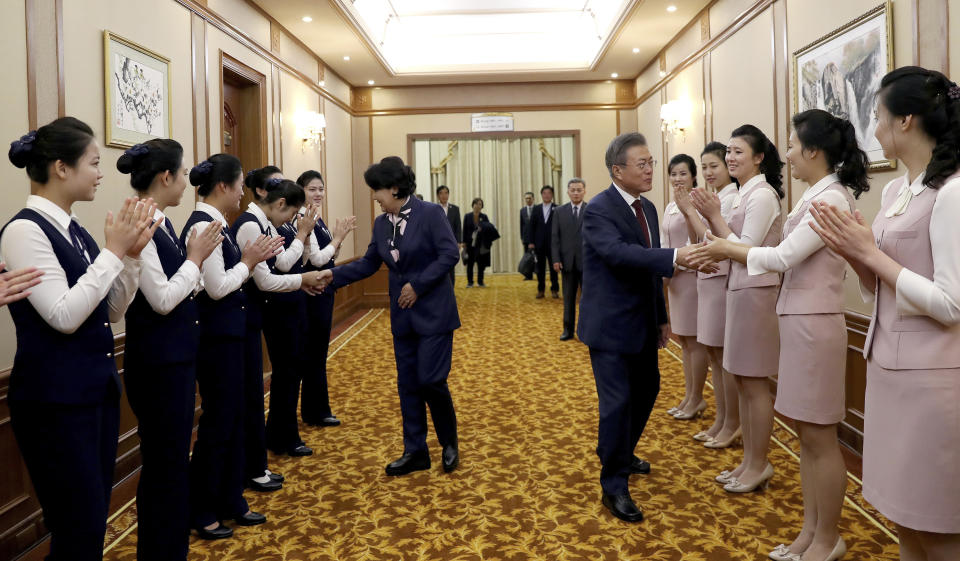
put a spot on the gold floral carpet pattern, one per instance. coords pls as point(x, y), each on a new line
point(527, 486)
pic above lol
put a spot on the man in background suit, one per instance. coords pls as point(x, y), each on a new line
point(566, 248)
point(453, 215)
point(525, 213)
point(539, 235)
point(623, 319)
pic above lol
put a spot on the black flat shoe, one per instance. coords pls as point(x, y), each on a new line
point(276, 477)
point(302, 450)
point(250, 519)
point(330, 421)
point(408, 463)
point(272, 485)
point(217, 533)
point(623, 507)
point(639, 466)
point(451, 458)
point(566, 336)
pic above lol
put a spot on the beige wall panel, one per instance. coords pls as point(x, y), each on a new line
point(647, 78)
point(648, 124)
point(362, 206)
point(244, 18)
point(14, 124)
point(597, 129)
point(339, 171)
point(953, 8)
point(724, 12)
point(481, 95)
point(336, 86)
point(167, 32)
point(743, 79)
point(295, 99)
point(298, 57)
point(683, 46)
point(687, 85)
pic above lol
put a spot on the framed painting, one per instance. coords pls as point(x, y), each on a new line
point(137, 87)
point(841, 72)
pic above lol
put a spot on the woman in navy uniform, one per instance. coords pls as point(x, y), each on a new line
point(321, 250)
point(216, 468)
point(413, 238)
point(163, 331)
point(64, 388)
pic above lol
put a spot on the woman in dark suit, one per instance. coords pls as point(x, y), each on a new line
point(478, 235)
point(413, 238)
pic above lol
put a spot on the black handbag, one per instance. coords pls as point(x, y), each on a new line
point(527, 264)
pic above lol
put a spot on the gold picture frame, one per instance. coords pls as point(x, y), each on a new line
point(137, 88)
point(841, 71)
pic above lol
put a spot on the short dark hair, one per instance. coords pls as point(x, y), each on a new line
point(391, 172)
point(545, 188)
point(684, 159)
point(308, 176)
point(576, 180)
point(65, 139)
point(145, 161)
point(477, 200)
point(617, 149)
point(219, 168)
point(528, 193)
point(443, 188)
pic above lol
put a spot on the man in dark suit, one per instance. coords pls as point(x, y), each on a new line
point(567, 255)
point(453, 215)
point(539, 234)
point(525, 212)
point(623, 318)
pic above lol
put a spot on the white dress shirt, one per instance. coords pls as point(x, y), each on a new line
point(162, 294)
point(546, 211)
point(802, 242)
point(63, 307)
point(289, 256)
point(629, 199)
point(267, 281)
point(319, 257)
point(762, 210)
point(217, 281)
point(938, 298)
point(726, 196)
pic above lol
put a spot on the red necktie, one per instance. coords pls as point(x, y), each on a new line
point(638, 208)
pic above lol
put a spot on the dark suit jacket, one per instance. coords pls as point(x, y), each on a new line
point(427, 253)
point(622, 305)
point(524, 224)
point(453, 215)
point(566, 241)
point(539, 232)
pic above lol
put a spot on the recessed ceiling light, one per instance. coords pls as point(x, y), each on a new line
point(370, 82)
point(614, 75)
point(307, 19)
point(636, 50)
point(663, 73)
point(671, 8)
point(346, 57)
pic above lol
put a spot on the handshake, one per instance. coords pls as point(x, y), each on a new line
point(315, 282)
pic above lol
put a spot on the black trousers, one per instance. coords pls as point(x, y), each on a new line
point(284, 326)
point(163, 397)
point(627, 387)
point(70, 452)
point(314, 393)
point(545, 261)
point(423, 364)
point(471, 261)
point(572, 281)
point(217, 466)
point(254, 435)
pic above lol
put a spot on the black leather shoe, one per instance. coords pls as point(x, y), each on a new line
point(276, 477)
point(330, 421)
point(639, 466)
point(301, 450)
point(623, 507)
point(272, 485)
point(250, 519)
point(217, 533)
point(451, 458)
point(566, 336)
point(407, 463)
point(555, 294)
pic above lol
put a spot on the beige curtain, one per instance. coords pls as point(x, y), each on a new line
point(500, 171)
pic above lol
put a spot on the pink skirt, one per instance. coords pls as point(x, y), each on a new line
point(911, 447)
point(682, 292)
point(752, 336)
point(813, 361)
point(711, 310)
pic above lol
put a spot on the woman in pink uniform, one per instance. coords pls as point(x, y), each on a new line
point(751, 338)
point(910, 267)
point(823, 153)
point(682, 291)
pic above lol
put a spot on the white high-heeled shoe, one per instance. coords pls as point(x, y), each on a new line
point(736, 487)
point(782, 553)
point(839, 550)
point(684, 416)
point(702, 436)
point(726, 476)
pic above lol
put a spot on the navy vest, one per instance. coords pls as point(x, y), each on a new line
point(323, 240)
point(164, 338)
point(257, 298)
point(55, 367)
point(297, 297)
point(224, 317)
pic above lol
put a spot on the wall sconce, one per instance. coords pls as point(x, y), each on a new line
point(310, 125)
point(675, 117)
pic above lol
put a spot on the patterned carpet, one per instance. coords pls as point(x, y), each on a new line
point(527, 486)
